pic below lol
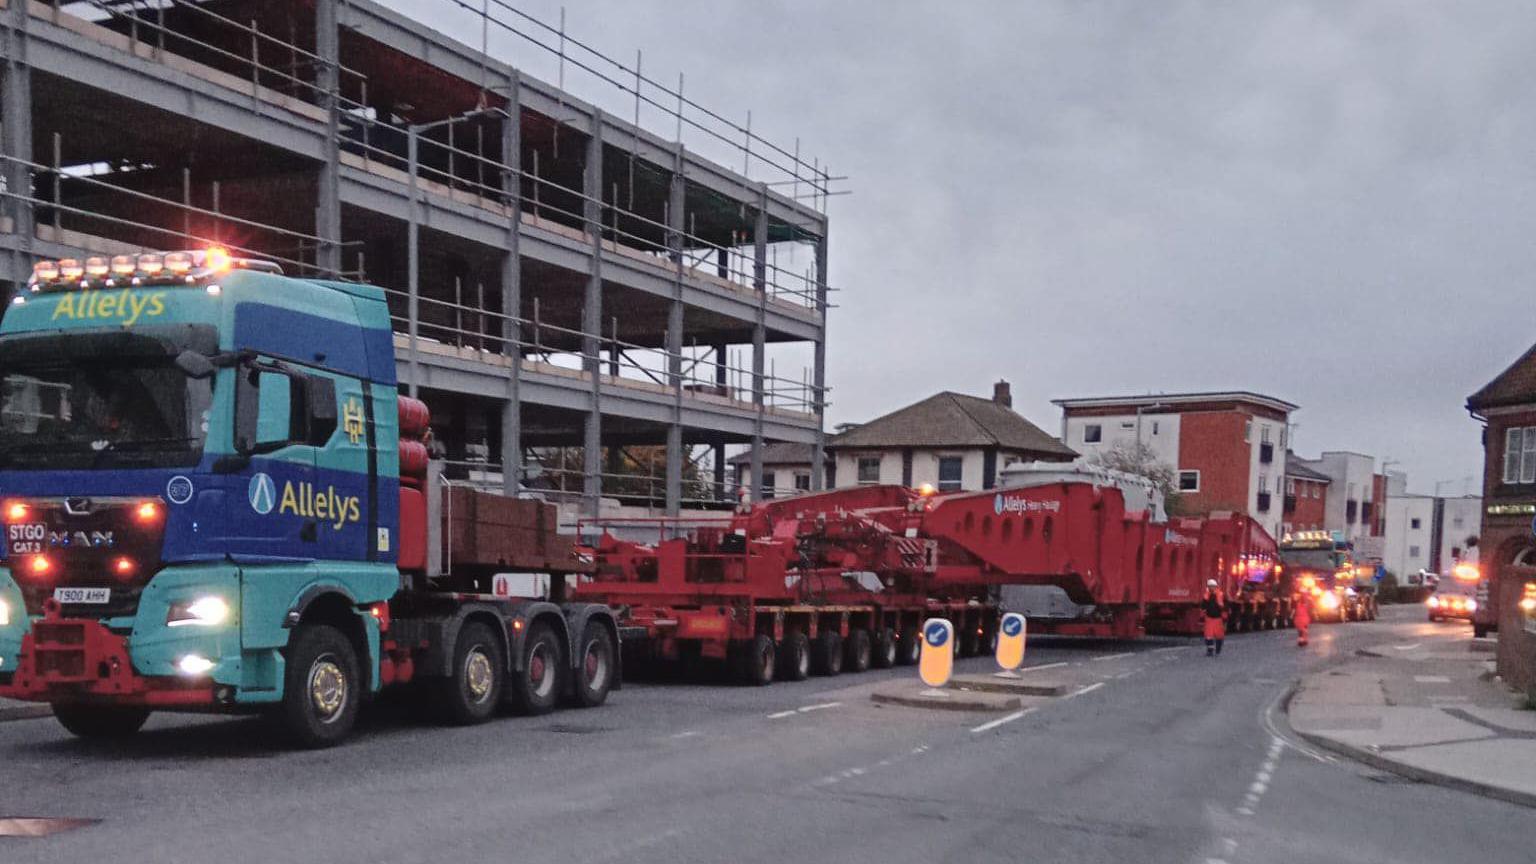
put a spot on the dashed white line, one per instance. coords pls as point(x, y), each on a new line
point(821, 707)
point(688, 734)
point(1407, 647)
point(1124, 675)
point(1089, 689)
point(993, 724)
point(779, 715)
point(1104, 657)
point(1431, 679)
point(1170, 649)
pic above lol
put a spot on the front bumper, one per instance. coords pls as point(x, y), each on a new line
point(78, 660)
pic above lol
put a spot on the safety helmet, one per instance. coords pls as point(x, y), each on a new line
point(1210, 583)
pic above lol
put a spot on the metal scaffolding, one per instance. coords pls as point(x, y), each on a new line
point(589, 257)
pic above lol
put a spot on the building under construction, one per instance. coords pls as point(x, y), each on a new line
point(641, 288)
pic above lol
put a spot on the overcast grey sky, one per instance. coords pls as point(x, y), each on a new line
point(1328, 202)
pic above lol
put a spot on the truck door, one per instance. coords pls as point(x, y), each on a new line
point(272, 517)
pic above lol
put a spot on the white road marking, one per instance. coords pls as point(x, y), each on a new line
point(1104, 657)
point(689, 734)
point(1229, 844)
point(1089, 689)
point(782, 714)
point(1126, 674)
point(805, 708)
point(1431, 679)
point(1045, 666)
point(1170, 649)
point(1407, 647)
point(993, 724)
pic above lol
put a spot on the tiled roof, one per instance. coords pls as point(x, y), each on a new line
point(953, 420)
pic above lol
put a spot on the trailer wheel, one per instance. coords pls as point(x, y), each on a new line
point(594, 672)
point(794, 657)
point(99, 721)
point(883, 651)
point(536, 687)
point(856, 651)
point(1479, 631)
point(321, 686)
point(471, 695)
point(756, 658)
point(909, 648)
point(827, 653)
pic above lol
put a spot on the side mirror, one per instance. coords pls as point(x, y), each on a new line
point(195, 365)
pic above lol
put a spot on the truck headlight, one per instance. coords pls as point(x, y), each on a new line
point(193, 665)
point(207, 611)
point(5, 613)
point(1471, 605)
point(1330, 601)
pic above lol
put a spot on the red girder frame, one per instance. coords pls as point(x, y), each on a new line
point(892, 547)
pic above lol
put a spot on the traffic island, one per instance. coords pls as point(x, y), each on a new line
point(1430, 713)
point(10, 709)
point(946, 700)
point(1014, 686)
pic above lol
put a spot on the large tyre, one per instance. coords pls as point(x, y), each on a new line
point(99, 721)
point(910, 647)
point(322, 686)
point(471, 695)
point(794, 657)
point(827, 653)
point(537, 686)
point(857, 652)
point(1479, 630)
point(756, 659)
point(594, 667)
point(882, 653)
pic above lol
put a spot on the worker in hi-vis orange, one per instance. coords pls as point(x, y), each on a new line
point(1215, 607)
point(1303, 619)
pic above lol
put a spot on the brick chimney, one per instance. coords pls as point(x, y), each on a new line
point(1002, 394)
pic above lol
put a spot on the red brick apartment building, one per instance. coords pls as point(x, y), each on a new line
point(1507, 547)
point(1228, 447)
point(1306, 496)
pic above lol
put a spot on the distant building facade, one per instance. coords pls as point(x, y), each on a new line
point(950, 440)
point(786, 469)
point(1350, 506)
point(1228, 448)
point(1306, 496)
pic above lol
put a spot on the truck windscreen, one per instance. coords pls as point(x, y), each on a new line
point(86, 413)
point(1310, 559)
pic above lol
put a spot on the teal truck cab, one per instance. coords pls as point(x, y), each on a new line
point(215, 499)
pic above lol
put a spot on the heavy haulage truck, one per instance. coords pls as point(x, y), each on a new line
point(842, 580)
point(214, 499)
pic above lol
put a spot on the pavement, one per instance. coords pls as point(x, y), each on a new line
point(1427, 706)
point(1152, 752)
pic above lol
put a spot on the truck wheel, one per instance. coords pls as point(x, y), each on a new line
point(827, 653)
point(99, 721)
point(794, 657)
point(910, 647)
point(757, 660)
point(883, 651)
point(1479, 630)
point(856, 651)
point(321, 686)
point(471, 695)
point(536, 687)
point(594, 672)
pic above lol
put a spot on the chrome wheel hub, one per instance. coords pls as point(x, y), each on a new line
point(327, 688)
point(478, 675)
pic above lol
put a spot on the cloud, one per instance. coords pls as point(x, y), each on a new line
point(1327, 201)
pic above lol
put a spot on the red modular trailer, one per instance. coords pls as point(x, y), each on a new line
point(844, 578)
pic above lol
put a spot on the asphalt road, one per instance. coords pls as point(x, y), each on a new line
point(1156, 754)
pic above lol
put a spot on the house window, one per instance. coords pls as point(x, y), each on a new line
point(768, 483)
point(1520, 455)
point(1093, 433)
point(1154, 427)
point(1290, 487)
point(1264, 434)
point(1247, 431)
point(802, 482)
point(1263, 484)
point(1126, 424)
point(1413, 551)
point(869, 470)
point(1414, 524)
point(1189, 481)
point(949, 473)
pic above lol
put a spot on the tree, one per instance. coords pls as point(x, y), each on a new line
point(1139, 459)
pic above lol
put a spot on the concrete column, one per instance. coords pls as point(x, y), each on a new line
point(592, 315)
point(675, 223)
point(719, 489)
point(413, 263)
point(819, 368)
point(512, 290)
point(16, 134)
point(328, 83)
point(759, 335)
